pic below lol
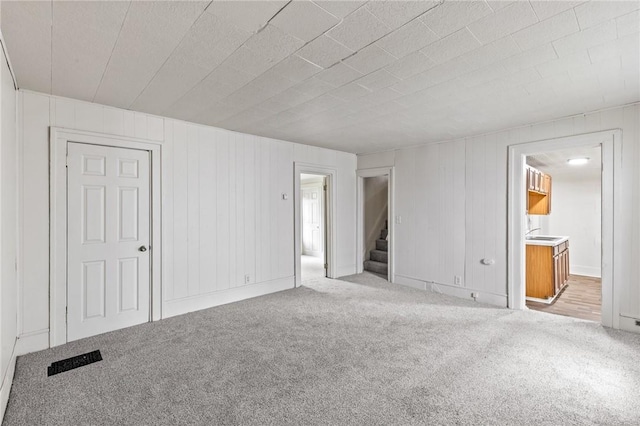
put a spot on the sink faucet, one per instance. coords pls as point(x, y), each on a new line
point(531, 230)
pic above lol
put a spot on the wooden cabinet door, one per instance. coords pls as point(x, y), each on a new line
point(557, 272)
point(566, 265)
point(548, 178)
point(547, 184)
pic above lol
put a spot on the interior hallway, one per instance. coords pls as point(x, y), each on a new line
point(312, 267)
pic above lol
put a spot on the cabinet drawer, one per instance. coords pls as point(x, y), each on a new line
point(560, 248)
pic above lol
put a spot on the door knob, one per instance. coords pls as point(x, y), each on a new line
point(142, 248)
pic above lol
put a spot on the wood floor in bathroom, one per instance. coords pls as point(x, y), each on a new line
point(581, 298)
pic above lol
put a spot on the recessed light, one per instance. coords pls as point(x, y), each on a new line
point(578, 161)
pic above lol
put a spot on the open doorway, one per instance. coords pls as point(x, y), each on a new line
point(563, 238)
point(375, 232)
point(376, 225)
point(315, 233)
point(522, 178)
point(313, 189)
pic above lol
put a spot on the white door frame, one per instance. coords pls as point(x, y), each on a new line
point(330, 209)
point(360, 232)
point(611, 145)
point(59, 139)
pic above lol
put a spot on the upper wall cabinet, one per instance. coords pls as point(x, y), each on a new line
point(538, 192)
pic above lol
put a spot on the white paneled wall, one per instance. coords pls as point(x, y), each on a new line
point(223, 214)
point(228, 221)
point(429, 198)
point(452, 197)
point(577, 213)
point(8, 234)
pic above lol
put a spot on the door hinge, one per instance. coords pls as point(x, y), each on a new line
point(326, 266)
point(66, 314)
point(324, 187)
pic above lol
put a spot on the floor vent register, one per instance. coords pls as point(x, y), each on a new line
point(73, 362)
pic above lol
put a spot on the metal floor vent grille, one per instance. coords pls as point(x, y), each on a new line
point(74, 362)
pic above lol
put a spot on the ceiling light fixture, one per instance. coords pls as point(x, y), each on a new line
point(578, 161)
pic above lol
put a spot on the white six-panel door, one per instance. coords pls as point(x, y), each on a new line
point(108, 258)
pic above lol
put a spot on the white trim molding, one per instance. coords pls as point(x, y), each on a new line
point(360, 232)
point(204, 301)
point(32, 342)
point(331, 214)
point(5, 383)
point(610, 142)
point(59, 139)
point(459, 292)
point(6, 57)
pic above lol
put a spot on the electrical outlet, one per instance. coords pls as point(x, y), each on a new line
point(398, 220)
point(247, 279)
point(457, 280)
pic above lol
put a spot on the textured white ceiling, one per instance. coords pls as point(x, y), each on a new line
point(350, 75)
point(555, 162)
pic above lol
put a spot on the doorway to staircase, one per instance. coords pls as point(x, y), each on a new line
point(375, 222)
point(376, 225)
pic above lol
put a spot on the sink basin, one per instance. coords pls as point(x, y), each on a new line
point(542, 238)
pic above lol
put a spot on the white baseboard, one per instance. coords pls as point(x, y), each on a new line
point(465, 293)
point(172, 308)
point(461, 292)
point(410, 282)
point(32, 342)
point(5, 386)
point(587, 271)
point(629, 324)
point(343, 271)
